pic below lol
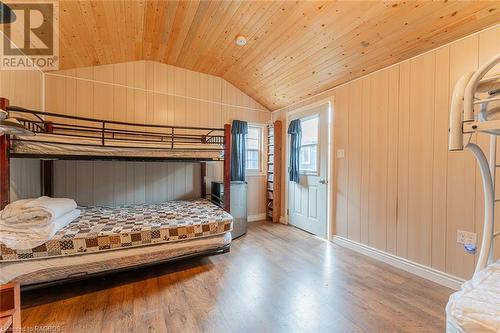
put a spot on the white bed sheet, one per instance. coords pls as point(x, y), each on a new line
point(46, 144)
point(476, 307)
point(51, 269)
point(30, 236)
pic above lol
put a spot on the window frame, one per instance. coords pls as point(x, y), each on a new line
point(309, 172)
point(306, 158)
point(261, 152)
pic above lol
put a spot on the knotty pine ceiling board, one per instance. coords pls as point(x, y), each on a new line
point(295, 49)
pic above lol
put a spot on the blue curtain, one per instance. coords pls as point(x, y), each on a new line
point(295, 135)
point(239, 130)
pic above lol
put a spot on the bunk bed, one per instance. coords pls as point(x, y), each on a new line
point(475, 108)
point(110, 239)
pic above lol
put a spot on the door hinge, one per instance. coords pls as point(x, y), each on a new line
point(287, 211)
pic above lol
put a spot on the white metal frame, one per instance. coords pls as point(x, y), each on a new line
point(463, 124)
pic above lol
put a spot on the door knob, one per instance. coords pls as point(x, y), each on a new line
point(323, 181)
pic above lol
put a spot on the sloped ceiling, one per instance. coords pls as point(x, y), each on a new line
point(295, 49)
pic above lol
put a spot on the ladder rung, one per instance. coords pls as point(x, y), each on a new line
point(487, 100)
point(490, 79)
point(497, 200)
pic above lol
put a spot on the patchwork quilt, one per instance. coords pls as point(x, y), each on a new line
point(102, 228)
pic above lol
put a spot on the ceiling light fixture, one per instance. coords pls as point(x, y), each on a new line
point(241, 40)
point(6, 14)
point(12, 126)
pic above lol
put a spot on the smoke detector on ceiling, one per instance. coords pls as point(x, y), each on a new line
point(241, 40)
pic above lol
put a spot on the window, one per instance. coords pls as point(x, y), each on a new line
point(309, 145)
point(305, 156)
point(254, 148)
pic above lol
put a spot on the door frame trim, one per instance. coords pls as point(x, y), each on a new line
point(329, 189)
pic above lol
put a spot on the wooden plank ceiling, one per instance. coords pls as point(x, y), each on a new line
point(295, 49)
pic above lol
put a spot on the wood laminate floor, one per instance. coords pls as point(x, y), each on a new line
point(275, 279)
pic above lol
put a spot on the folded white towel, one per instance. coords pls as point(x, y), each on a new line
point(28, 236)
point(40, 211)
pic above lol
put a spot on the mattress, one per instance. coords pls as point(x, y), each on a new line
point(476, 307)
point(59, 268)
point(49, 144)
point(104, 228)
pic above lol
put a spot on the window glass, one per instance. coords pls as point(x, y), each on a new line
point(309, 145)
point(254, 144)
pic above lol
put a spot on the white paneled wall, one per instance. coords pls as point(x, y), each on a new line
point(147, 92)
point(115, 183)
point(23, 88)
point(141, 91)
point(25, 178)
point(399, 189)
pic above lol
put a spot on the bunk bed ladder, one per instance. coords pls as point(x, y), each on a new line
point(493, 167)
point(463, 122)
point(487, 167)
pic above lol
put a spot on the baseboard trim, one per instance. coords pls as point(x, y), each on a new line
point(283, 220)
point(256, 217)
point(425, 272)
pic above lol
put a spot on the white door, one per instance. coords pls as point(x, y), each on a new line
point(307, 200)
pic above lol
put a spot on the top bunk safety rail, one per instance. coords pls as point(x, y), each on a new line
point(107, 133)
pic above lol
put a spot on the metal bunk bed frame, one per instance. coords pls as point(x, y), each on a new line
point(463, 125)
point(106, 130)
point(170, 135)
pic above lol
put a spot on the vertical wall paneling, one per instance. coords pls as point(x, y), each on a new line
point(461, 179)
point(421, 158)
point(103, 108)
point(365, 159)
point(106, 182)
point(119, 113)
point(340, 165)
point(440, 158)
point(401, 190)
point(25, 179)
point(392, 159)
point(403, 159)
point(377, 206)
point(23, 88)
point(355, 135)
point(113, 183)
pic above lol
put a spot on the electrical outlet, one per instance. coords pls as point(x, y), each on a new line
point(340, 153)
point(465, 237)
